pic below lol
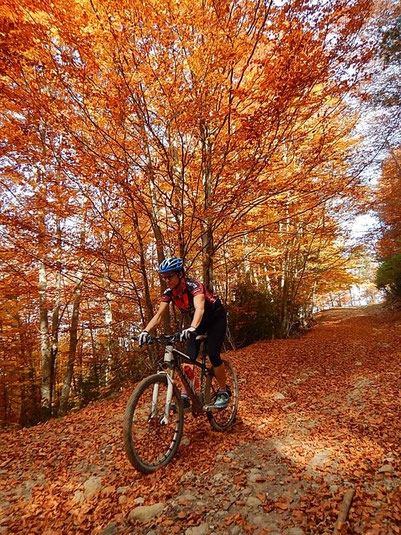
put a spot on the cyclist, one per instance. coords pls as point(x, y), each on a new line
point(207, 314)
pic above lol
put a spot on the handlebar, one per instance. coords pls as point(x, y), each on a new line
point(170, 338)
point(166, 338)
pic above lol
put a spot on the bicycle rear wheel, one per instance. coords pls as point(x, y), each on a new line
point(221, 419)
point(150, 440)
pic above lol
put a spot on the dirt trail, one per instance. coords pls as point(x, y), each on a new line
point(319, 415)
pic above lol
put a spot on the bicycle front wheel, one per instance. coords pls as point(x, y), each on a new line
point(221, 419)
point(150, 438)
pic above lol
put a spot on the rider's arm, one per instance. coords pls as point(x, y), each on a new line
point(199, 304)
point(154, 322)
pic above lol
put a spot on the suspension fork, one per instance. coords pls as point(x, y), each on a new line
point(169, 372)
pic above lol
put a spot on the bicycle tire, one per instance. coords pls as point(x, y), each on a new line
point(149, 443)
point(222, 419)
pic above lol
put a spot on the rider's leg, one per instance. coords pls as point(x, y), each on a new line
point(215, 338)
point(220, 373)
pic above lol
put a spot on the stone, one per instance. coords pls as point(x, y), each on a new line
point(252, 501)
point(186, 497)
point(92, 486)
point(185, 441)
point(320, 458)
point(79, 496)
point(254, 475)
point(144, 513)
point(188, 476)
point(386, 468)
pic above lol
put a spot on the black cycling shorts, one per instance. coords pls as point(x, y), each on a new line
point(216, 332)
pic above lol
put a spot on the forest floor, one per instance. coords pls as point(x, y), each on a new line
point(319, 421)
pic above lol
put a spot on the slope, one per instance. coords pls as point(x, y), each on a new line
point(319, 415)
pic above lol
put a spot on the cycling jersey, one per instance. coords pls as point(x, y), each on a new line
point(183, 298)
point(214, 321)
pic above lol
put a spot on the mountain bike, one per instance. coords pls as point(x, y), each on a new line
point(154, 416)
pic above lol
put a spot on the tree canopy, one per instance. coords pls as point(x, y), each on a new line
point(221, 132)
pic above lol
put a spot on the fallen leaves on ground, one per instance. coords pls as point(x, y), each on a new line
point(318, 415)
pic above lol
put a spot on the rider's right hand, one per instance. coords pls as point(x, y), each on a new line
point(144, 338)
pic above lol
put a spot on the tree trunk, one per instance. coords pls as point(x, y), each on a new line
point(207, 235)
point(108, 320)
point(45, 345)
point(65, 392)
point(142, 260)
point(55, 317)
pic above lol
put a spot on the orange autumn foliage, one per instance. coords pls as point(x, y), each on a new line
point(216, 131)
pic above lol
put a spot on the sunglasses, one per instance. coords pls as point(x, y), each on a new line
point(168, 277)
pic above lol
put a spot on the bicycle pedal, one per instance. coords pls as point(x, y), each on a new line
point(210, 408)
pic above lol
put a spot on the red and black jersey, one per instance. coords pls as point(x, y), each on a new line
point(183, 298)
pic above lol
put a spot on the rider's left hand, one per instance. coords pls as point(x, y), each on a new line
point(187, 333)
point(144, 338)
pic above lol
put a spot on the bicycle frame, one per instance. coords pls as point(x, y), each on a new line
point(171, 364)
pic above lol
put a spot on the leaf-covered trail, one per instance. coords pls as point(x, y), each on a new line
point(318, 415)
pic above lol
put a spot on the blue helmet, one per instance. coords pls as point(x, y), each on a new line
point(171, 264)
